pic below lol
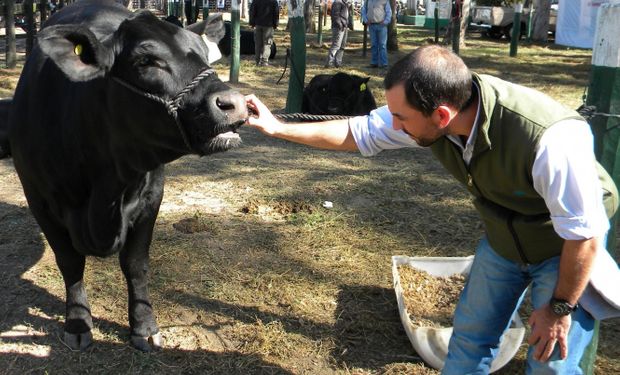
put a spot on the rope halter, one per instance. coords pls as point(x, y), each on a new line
point(172, 105)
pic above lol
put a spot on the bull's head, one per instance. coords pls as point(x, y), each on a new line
point(148, 67)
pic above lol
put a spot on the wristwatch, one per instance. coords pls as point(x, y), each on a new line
point(561, 307)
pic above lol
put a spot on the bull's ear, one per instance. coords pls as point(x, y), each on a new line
point(76, 51)
point(212, 27)
point(212, 31)
point(363, 83)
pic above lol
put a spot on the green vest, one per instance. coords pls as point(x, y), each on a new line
point(511, 122)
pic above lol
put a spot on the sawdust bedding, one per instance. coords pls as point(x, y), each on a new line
point(430, 301)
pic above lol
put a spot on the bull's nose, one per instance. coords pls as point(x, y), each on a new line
point(233, 104)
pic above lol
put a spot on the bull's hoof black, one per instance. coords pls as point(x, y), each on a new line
point(78, 341)
point(147, 344)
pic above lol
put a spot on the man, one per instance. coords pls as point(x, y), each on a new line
point(264, 18)
point(530, 165)
point(377, 14)
point(340, 22)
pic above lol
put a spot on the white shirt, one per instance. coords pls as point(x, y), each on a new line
point(564, 169)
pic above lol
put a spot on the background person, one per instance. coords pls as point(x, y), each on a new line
point(340, 22)
point(264, 18)
point(529, 163)
point(377, 14)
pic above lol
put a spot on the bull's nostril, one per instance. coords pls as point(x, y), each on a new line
point(224, 105)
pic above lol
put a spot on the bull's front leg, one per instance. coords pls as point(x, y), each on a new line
point(78, 320)
point(134, 260)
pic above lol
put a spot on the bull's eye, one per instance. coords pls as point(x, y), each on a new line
point(149, 61)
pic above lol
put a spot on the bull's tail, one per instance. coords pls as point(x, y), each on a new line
point(5, 105)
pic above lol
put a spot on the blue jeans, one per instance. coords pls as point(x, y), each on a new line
point(494, 290)
point(378, 44)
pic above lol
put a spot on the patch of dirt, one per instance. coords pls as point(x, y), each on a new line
point(284, 208)
point(191, 225)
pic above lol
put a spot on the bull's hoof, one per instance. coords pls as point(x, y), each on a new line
point(147, 344)
point(78, 341)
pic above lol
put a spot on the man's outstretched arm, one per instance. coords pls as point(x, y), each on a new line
point(329, 135)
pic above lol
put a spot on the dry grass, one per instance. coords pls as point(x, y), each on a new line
point(249, 273)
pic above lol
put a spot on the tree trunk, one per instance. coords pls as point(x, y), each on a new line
point(540, 20)
point(309, 16)
point(392, 40)
point(9, 20)
point(464, 21)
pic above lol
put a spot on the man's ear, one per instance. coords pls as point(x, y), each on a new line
point(76, 51)
point(442, 116)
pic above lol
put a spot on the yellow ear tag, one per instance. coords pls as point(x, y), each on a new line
point(77, 49)
point(363, 87)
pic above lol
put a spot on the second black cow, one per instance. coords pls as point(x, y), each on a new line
point(338, 94)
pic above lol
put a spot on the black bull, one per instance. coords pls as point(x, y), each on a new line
point(338, 94)
point(105, 99)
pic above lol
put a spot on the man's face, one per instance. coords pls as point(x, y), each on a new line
point(422, 129)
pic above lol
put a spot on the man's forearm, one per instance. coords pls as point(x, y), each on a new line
point(329, 135)
point(575, 267)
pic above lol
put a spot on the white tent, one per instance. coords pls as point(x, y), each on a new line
point(576, 22)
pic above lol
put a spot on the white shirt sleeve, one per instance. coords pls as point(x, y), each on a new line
point(565, 175)
point(374, 133)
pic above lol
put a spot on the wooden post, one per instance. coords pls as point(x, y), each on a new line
point(516, 30)
point(235, 32)
point(30, 25)
point(298, 56)
point(319, 35)
point(604, 94)
point(456, 26)
point(436, 15)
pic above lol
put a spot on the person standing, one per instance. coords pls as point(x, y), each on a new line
point(529, 165)
point(264, 18)
point(377, 14)
point(340, 23)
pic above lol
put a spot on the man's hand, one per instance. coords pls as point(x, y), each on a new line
point(261, 118)
point(548, 329)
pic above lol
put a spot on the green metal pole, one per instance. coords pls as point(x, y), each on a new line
point(516, 30)
point(604, 94)
point(298, 56)
point(235, 32)
point(205, 9)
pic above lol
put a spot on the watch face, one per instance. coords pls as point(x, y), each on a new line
point(561, 307)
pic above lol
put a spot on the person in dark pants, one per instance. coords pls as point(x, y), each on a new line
point(529, 164)
point(264, 18)
point(340, 22)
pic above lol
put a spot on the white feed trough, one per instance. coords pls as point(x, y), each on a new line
point(432, 343)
